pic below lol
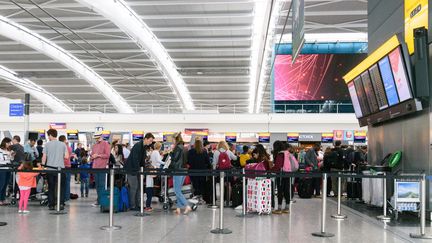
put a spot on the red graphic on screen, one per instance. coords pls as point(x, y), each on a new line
point(313, 76)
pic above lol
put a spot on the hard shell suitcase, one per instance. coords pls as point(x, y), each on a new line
point(259, 195)
point(304, 188)
point(104, 200)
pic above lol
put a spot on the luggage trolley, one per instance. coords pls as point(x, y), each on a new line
point(406, 197)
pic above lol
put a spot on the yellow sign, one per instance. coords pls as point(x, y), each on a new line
point(106, 132)
point(231, 134)
point(327, 134)
point(360, 133)
point(293, 134)
point(72, 131)
point(416, 15)
point(138, 132)
point(373, 58)
point(264, 134)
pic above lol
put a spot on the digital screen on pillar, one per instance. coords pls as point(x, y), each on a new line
point(388, 80)
point(369, 91)
point(361, 96)
point(378, 87)
point(400, 75)
point(313, 77)
point(354, 99)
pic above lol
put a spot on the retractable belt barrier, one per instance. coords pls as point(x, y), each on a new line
point(244, 174)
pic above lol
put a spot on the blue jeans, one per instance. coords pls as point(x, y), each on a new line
point(4, 180)
point(85, 186)
point(100, 184)
point(178, 183)
point(67, 187)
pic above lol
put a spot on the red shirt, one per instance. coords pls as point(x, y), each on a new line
point(103, 150)
point(67, 161)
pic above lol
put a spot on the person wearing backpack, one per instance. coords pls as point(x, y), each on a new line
point(286, 162)
point(222, 158)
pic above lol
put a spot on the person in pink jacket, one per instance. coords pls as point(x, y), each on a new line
point(26, 181)
point(100, 155)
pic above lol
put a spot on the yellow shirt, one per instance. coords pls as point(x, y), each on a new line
point(243, 159)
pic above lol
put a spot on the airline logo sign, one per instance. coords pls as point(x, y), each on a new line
point(57, 125)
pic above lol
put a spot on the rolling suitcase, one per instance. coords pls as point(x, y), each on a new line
point(354, 187)
point(237, 194)
point(304, 188)
point(259, 195)
point(104, 200)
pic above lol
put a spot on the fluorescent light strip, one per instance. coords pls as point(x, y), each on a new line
point(129, 22)
point(29, 38)
point(274, 17)
point(257, 36)
point(34, 90)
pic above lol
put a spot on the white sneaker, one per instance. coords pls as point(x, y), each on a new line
point(20, 211)
point(25, 212)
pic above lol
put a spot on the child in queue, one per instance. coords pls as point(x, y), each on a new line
point(84, 176)
point(26, 181)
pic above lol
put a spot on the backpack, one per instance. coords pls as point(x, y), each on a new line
point(224, 161)
point(123, 204)
point(290, 163)
point(255, 169)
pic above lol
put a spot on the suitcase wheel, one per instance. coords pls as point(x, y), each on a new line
point(194, 207)
point(165, 206)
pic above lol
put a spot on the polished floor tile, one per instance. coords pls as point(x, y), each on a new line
point(82, 224)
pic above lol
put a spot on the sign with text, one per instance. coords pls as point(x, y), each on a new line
point(57, 125)
point(264, 137)
point(16, 109)
point(137, 135)
point(72, 135)
point(310, 137)
point(231, 137)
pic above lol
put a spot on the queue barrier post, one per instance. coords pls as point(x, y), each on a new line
point(59, 191)
point(141, 178)
point(221, 229)
point(323, 233)
point(213, 206)
point(384, 216)
point(291, 179)
point(339, 216)
point(422, 234)
point(111, 225)
point(244, 213)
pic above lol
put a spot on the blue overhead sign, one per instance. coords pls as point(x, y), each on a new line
point(16, 109)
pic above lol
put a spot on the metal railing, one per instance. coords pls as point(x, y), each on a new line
point(207, 108)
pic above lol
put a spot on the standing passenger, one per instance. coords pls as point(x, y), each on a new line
point(100, 155)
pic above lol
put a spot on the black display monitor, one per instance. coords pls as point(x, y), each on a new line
point(369, 91)
point(378, 87)
point(361, 96)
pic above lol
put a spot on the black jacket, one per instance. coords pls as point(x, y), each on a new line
point(136, 158)
point(198, 161)
point(177, 158)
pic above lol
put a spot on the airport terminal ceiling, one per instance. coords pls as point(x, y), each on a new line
point(209, 41)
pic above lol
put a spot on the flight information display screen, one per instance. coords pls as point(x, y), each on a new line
point(369, 91)
point(354, 99)
point(361, 96)
point(378, 87)
point(400, 75)
point(388, 80)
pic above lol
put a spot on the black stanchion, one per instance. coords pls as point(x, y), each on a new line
point(58, 211)
point(244, 213)
point(323, 233)
point(339, 216)
point(111, 225)
point(422, 234)
point(221, 229)
point(141, 213)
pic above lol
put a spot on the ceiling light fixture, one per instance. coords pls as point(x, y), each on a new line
point(34, 90)
point(29, 38)
point(129, 22)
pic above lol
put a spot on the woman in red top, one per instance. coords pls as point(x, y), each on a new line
point(26, 181)
point(283, 190)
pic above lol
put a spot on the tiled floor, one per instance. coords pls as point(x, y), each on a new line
point(83, 221)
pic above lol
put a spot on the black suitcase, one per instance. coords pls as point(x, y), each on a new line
point(354, 189)
point(207, 194)
point(304, 188)
point(237, 195)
